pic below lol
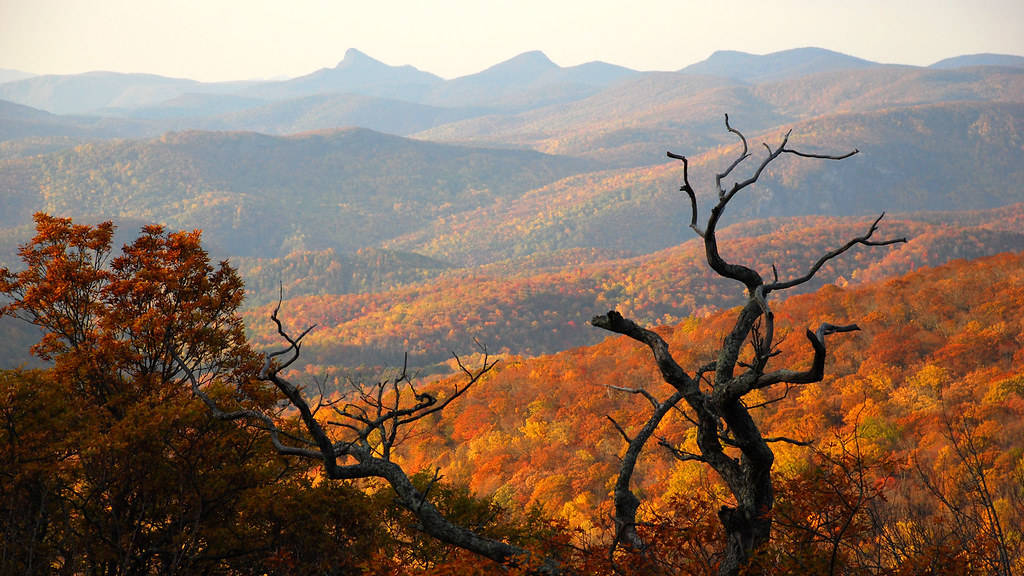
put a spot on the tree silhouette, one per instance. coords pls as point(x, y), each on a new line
point(728, 438)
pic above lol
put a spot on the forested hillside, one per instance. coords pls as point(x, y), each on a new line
point(927, 396)
point(529, 306)
point(621, 123)
point(904, 458)
point(256, 195)
point(917, 158)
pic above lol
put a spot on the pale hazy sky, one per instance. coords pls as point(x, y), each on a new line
point(240, 39)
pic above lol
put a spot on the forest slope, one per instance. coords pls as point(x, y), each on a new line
point(916, 158)
point(265, 196)
point(262, 195)
point(935, 343)
point(619, 123)
point(533, 306)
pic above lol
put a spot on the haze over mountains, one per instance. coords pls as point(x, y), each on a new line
point(369, 186)
point(525, 81)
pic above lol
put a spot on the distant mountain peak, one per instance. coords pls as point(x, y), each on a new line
point(748, 67)
point(727, 53)
point(357, 73)
point(534, 61)
point(354, 57)
point(535, 56)
point(985, 59)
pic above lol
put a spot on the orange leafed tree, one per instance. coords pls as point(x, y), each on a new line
point(111, 465)
point(113, 324)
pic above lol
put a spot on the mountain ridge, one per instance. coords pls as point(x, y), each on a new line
point(9, 75)
point(337, 188)
point(983, 59)
point(356, 72)
point(53, 92)
point(754, 68)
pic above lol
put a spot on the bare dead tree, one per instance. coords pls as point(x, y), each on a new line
point(353, 438)
point(728, 438)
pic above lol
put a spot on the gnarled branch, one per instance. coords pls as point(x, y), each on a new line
point(382, 412)
point(626, 502)
point(722, 420)
point(864, 239)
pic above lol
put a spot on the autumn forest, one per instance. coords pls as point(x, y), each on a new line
point(761, 315)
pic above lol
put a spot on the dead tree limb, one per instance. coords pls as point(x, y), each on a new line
point(356, 439)
point(721, 418)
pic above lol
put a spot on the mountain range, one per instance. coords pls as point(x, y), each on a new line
point(405, 211)
point(524, 81)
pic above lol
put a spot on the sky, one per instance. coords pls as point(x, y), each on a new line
point(219, 40)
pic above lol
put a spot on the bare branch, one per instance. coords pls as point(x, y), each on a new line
point(817, 370)
point(771, 439)
point(743, 156)
point(264, 421)
point(626, 502)
point(772, 155)
point(864, 239)
point(689, 192)
point(825, 329)
point(681, 455)
point(707, 437)
point(382, 412)
point(670, 370)
point(783, 396)
point(820, 156)
point(618, 428)
point(763, 342)
point(650, 397)
point(294, 344)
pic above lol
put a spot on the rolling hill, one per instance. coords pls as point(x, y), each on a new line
point(753, 68)
point(324, 111)
point(912, 158)
point(354, 188)
point(258, 195)
point(980, 60)
point(23, 127)
point(527, 307)
point(92, 91)
point(622, 123)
